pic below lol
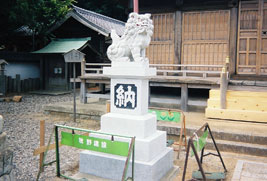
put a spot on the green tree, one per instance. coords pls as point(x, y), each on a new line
point(5, 9)
point(38, 15)
point(112, 8)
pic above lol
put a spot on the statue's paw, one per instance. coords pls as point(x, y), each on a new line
point(124, 59)
point(146, 59)
point(139, 59)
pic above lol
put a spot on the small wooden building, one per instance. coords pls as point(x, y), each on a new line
point(80, 23)
point(55, 73)
point(82, 30)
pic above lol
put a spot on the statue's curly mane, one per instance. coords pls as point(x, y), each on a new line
point(136, 37)
point(137, 24)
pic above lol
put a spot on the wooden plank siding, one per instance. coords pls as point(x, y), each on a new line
point(263, 58)
point(205, 38)
point(161, 48)
point(247, 37)
point(240, 105)
point(252, 38)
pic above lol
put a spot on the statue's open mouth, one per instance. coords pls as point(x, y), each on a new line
point(136, 38)
point(144, 25)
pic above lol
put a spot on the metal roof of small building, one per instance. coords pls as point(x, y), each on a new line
point(60, 45)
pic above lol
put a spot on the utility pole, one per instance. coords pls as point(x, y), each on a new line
point(136, 9)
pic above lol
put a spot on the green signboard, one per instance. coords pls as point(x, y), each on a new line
point(170, 116)
point(95, 144)
point(200, 142)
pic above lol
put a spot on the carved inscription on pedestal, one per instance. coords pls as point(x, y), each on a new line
point(125, 96)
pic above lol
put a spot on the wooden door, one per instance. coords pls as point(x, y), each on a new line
point(205, 38)
point(161, 48)
point(263, 44)
point(252, 38)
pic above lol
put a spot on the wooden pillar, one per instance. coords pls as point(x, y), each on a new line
point(46, 75)
point(223, 89)
point(18, 83)
point(178, 37)
point(15, 85)
point(42, 142)
point(102, 88)
point(83, 67)
point(66, 76)
point(149, 94)
point(42, 73)
point(108, 106)
point(2, 84)
point(83, 91)
point(259, 35)
point(26, 85)
point(233, 39)
point(38, 84)
point(69, 76)
point(30, 84)
point(9, 82)
point(22, 85)
point(6, 83)
point(34, 84)
point(184, 97)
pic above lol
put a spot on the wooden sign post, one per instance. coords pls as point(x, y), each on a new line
point(42, 143)
point(74, 56)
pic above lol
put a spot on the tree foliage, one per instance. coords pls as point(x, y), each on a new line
point(112, 8)
point(38, 15)
point(5, 9)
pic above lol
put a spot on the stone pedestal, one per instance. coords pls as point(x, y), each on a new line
point(129, 117)
point(6, 154)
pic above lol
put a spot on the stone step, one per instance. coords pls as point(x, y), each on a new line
point(238, 147)
point(218, 135)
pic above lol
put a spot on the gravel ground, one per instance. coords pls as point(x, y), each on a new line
point(22, 127)
point(21, 123)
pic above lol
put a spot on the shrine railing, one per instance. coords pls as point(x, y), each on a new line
point(93, 68)
point(163, 70)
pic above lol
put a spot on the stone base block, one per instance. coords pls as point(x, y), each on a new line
point(111, 167)
point(1, 123)
point(134, 125)
point(145, 149)
point(149, 148)
point(2, 141)
point(170, 176)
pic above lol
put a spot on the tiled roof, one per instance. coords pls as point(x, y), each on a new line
point(24, 31)
point(2, 61)
point(102, 24)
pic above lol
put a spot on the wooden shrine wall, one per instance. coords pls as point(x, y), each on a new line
point(161, 49)
point(252, 38)
point(205, 38)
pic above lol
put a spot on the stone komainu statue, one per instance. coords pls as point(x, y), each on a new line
point(136, 38)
